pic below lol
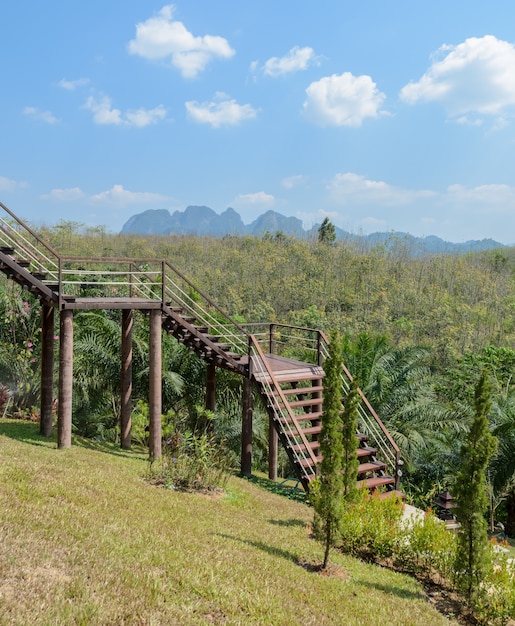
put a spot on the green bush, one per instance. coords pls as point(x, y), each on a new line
point(193, 462)
point(370, 527)
point(494, 604)
point(426, 547)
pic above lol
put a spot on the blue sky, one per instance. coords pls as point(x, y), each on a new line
point(383, 116)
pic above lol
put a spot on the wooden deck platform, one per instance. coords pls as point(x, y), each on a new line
point(285, 369)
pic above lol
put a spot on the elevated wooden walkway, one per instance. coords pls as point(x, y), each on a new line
point(292, 390)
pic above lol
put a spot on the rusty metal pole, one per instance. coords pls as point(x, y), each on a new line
point(246, 429)
point(126, 379)
point(273, 447)
point(64, 412)
point(155, 387)
point(47, 371)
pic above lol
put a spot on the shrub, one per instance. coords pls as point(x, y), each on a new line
point(193, 462)
point(370, 527)
point(426, 547)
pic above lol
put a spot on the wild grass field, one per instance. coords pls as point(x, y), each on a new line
point(85, 539)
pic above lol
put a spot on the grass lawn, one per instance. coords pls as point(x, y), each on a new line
point(84, 539)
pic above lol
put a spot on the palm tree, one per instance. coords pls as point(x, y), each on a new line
point(399, 384)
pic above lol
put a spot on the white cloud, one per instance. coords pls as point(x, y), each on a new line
point(41, 116)
point(343, 100)
point(7, 184)
point(260, 198)
point(296, 60)
point(71, 85)
point(104, 114)
point(475, 77)
point(293, 181)
point(483, 198)
point(161, 37)
point(351, 188)
point(64, 195)
point(220, 112)
point(119, 196)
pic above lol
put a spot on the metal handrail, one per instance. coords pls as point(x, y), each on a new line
point(371, 423)
point(284, 416)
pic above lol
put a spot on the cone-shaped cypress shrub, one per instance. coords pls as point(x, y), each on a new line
point(327, 490)
point(470, 491)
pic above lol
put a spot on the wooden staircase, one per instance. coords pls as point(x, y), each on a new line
point(293, 393)
point(291, 389)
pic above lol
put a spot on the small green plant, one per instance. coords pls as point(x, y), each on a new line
point(193, 462)
point(369, 528)
point(426, 547)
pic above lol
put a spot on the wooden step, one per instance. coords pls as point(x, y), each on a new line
point(309, 463)
point(372, 466)
point(366, 451)
point(312, 430)
point(312, 445)
point(298, 391)
point(375, 482)
point(308, 402)
point(7, 250)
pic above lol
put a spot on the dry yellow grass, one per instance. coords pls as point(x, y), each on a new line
point(84, 539)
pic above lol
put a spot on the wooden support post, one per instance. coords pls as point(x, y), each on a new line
point(210, 387)
point(246, 429)
point(155, 385)
point(64, 409)
point(210, 393)
point(126, 379)
point(273, 446)
point(47, 371)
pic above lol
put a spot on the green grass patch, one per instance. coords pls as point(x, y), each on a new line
point(85, 539)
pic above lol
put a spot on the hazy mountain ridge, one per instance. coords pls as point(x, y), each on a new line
point(204, 222)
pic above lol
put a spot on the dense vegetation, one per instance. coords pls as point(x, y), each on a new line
point(418, 331)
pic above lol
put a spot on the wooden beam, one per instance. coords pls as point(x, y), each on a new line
point(126, 379)
point(47, 371)
point(246, 429)
point(155, 386)
point(273, 447)
point(64, 414)
point(210, 393)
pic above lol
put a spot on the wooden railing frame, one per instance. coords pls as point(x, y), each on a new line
point(272, 398)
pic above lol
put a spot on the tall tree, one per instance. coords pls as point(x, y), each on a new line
point(328, 489)
point(470, 491)
point(327, 232)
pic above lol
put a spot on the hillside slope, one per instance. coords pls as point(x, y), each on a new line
point(85, 540)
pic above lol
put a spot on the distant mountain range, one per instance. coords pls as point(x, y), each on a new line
point(204, 222)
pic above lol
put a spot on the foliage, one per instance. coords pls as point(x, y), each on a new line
point(350, 462)
point(327, 493)
point(193, 462)
point(470, 491)
point(327, 232)
point(20, 331)
point(369, 527)
point(426, 547)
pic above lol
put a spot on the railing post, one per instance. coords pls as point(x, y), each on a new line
point(131, 278)
point(398, 471)
point(271, 339)
point(320, 358)
point(163, 282)
point(60, 282)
